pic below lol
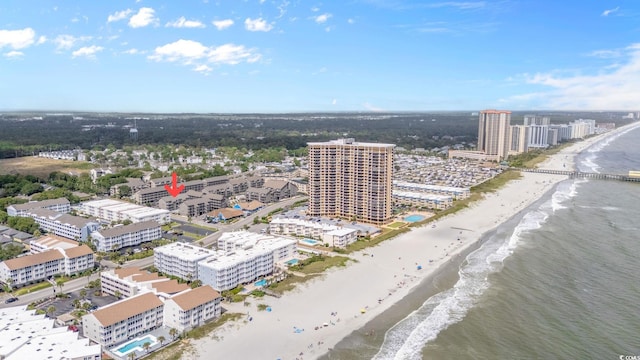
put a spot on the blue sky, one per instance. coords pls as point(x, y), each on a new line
point(289, 55)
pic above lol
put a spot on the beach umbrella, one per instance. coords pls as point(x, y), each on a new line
point(363, 311)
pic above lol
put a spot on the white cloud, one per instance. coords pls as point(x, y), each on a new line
point(257, 25)
point(315, 9)
point(184, 23)
point(119, 15)
point(14, 54)
point(334, 101)
point(610, 11)
point(41, 40)
point(17, 39)
point(189, 52)
point(87, 51)
point(144, 17)
point(133, 51)
point(282, 8)
point(222, 24)
point(605, 54)
point(68, 41)
point(205, 69)
point(610, 88)
point(351, 21)
point(321, 19)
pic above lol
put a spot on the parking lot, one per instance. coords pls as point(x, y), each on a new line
point(66, 305)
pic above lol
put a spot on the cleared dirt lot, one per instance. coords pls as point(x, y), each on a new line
point(41, 167)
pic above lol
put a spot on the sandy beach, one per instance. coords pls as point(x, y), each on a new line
point(345, 299)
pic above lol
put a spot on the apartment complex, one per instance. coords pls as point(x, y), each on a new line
point(332, 235)
point(457, 193)
point(180, 259)
point(115, 210)
point(69, 226)
point(50, 241)
point(242, 257)
point(351, 180)
point(124, 319)
point(42, 265)
point(60, 205)
point(422, 199)
point(493, 133)
point(192, 308)
point(127, 235)
point(128, 282)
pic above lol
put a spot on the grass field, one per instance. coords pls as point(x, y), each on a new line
point(396, 225)
point(41, 167)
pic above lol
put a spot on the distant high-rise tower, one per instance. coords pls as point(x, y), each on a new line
point(351, 180)
point(536, 120)
point(133, 133)
point(493, 132)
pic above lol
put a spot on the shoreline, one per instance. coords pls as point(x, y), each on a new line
point(360, 292)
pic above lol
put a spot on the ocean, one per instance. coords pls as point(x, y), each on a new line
point(557, 281)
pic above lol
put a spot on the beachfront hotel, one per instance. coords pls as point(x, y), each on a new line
point(180, 259)
point(351, 180)
point(421, 199)
point(457, 193)
point(333, 235)
point(192, 308)
point(122, 320)
point(493, 133)
point(244, 257)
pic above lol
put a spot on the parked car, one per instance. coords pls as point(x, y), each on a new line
point(10, 300)
point(73, 328)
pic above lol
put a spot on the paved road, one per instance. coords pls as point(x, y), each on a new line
point(69, 286)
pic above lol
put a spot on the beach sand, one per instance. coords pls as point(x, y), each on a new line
point(345, 299)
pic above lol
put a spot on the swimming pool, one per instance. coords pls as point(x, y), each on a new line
point(261, 283)
point(309, 241)
point(136, 344)
point(292, 262)
point(414, 218)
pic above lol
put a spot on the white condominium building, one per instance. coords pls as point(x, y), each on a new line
point(457, 193)
point(420, 199)
point(65, 225)
point(192, 308)
point(180, 259)
point(115, 210)
point(333, 235)
point(244, 257)
point(27, 335)
point(50, 241)
point(128, 282)
point(60, 205)
point(122, 320)
point(127, 235)
point(39, 266)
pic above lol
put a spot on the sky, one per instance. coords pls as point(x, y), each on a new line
point(243, 56)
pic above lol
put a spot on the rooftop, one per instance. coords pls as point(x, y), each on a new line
point(124, 309)
point(127, 229)
point(195, 297)
point(34, 259)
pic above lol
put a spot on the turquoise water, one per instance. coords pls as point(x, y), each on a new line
point(262, 282)
point(292, 262)
point(310, 241)
point(414, 218)
point(136, 343)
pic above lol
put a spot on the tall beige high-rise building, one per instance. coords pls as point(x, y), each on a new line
point(351, 180)
point(493, 132)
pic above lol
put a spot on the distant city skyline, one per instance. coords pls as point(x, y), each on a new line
point(279, 56)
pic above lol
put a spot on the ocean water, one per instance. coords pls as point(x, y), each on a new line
point(558, 281)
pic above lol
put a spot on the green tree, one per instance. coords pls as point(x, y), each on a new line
point(161, 339)
point(51, 310)
point(146, 346)
point(83, 294)
point(173, 332)
point(60, 284)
